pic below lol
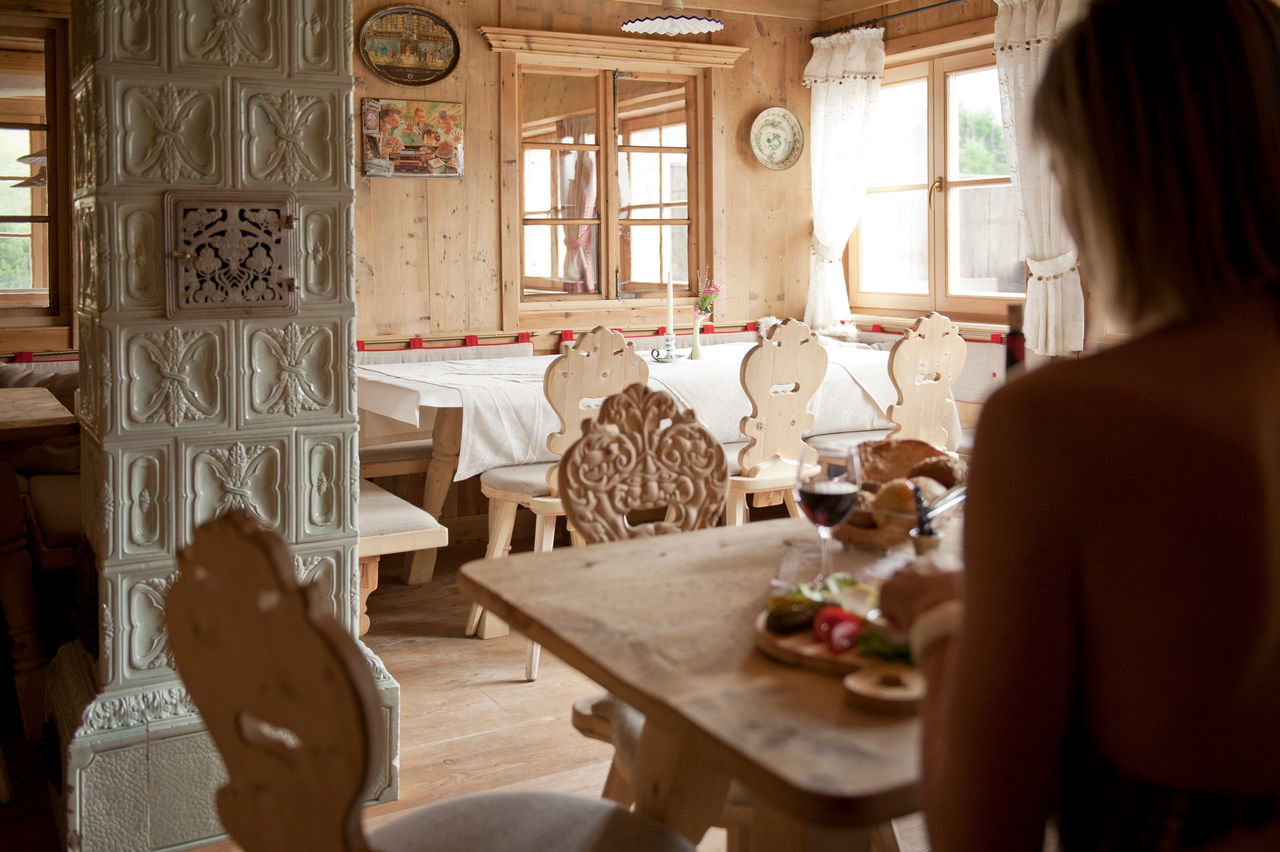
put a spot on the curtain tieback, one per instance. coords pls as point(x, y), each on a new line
point(1054, 267)
point(825, 254)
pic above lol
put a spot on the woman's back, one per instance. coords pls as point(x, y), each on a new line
point(1161, 461)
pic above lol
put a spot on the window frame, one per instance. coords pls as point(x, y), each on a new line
point(48, 325)
point(524, 49)
point(934, 69)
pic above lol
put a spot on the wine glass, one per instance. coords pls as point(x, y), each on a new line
point(827, 481)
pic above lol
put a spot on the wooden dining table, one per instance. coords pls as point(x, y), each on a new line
point(668, 624)
point(854, 395)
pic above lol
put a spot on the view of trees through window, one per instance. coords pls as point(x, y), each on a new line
point(15, 236)
point(982, 143)
point(939, 229)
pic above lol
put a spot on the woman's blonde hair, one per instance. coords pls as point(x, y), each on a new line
point(1167, 115)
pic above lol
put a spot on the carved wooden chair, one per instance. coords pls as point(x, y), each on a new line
point(641, 455)
point(924, 365)
point(780, 376)
point(602, 363)
point(259, 654)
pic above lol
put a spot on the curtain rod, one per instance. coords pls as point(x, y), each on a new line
point(883, 18)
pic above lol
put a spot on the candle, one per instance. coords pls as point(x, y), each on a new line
point(671, 307)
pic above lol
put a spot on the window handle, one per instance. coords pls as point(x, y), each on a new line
point(937, 186)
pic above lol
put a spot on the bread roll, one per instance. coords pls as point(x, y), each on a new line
point(947, 470)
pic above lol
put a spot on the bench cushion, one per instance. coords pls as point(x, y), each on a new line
point(398, 451)
point(443, 353)
point(389, 524)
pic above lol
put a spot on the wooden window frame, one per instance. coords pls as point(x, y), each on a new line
point(933, 67)
point(48, 325)
point(549, 51)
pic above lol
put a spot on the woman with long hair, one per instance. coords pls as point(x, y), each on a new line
point(1110, 660)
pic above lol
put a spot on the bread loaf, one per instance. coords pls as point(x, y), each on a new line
point(893, 458)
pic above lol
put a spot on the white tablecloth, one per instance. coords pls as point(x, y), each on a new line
point(506, 418)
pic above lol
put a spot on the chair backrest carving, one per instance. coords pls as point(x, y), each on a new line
point(641, 453)
point(258, 654)
point(923, 365)
point(600, 364)
point(780, 376)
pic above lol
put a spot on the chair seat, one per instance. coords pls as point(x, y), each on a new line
point(530, 479)
point(528, 822)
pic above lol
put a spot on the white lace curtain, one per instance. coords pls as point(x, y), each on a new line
point(1053, 320)
point(844, 74)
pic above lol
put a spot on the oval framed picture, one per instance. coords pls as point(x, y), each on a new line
point(776, 138)
point(408, 46)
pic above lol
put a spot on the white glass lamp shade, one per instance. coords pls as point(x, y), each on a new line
point(673, 25)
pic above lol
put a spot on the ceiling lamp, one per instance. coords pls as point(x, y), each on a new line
point(673, 25)
point(39, 158)
point(40, 178)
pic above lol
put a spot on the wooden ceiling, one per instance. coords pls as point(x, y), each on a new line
point(805, 10)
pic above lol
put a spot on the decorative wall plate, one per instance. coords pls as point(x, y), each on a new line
point(409, 46)
point(777, 138)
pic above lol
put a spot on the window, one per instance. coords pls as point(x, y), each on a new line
point(606, 186)
point(940, 229)
point(622, 237)
point(24, 220)
point(35, 181)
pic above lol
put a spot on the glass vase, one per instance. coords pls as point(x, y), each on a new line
point(695, 353)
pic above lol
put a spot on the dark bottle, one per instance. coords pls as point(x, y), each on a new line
point(1015, 345)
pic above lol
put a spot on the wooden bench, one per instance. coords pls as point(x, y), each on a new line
point(390, 525)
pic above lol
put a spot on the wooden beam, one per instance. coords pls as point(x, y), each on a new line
point(29, 62)
point(828, 9)
point(971, 34)
point(601, 51)
point(34, 339)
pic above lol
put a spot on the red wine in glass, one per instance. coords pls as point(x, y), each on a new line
point(828, 503)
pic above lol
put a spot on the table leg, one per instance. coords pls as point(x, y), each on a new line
point(675, 785)
point(446, 439)
point(368, 585)
point(773, 830)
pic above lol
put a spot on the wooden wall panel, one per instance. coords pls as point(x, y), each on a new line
point(427, 249)
point(430, 252)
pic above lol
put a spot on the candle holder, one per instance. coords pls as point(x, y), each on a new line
point(668, 350)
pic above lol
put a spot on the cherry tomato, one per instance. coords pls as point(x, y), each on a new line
point(844, 634)
point(826, 618)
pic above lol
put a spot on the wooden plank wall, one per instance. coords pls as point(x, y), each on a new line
point(427, 249)
point(428, 252)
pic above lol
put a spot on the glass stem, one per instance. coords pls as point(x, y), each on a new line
point(824, 533)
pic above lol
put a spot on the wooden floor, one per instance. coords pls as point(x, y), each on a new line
point(469, 722)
